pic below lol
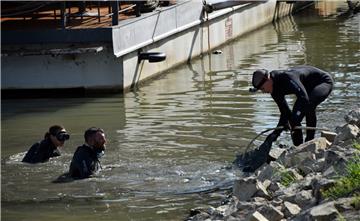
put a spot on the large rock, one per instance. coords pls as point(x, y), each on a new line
point(330, 136)
point(353, 117)
point(324, 212)
point(314, 146)
point(256, 216)
point(319, 165)
point(291, 209)
point(271, 213)
point(276, 152)
point(246, 188)
point(309, 165)
point(347, 149)
point(246, 208)
point(330, 172)
point(306, 183)
point(268, 171)
point(320, 185)
point(336, 159)
point(295, 159)
point(344, 204)
point(262, 192)
point(275, 186)
point(347, 132)
point(303, 199)
point(266, 183)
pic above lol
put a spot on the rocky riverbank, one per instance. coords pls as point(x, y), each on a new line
point(301, 183)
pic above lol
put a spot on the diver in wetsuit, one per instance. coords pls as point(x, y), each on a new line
point(41, 151)
point(85, 161)
point(311, 87)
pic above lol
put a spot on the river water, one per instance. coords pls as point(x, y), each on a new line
point(176, 134)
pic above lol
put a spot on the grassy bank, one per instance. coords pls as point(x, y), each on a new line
point(348, 184)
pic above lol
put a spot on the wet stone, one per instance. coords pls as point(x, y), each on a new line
point(245, 188)
point(324, 212)
point(353, 117)
point(347, 132)
point(291, 209)
point(256, 216)
point(271, 213)
point(330, 136)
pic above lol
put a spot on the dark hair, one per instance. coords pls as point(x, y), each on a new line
point(53, 130)
point(91, 132)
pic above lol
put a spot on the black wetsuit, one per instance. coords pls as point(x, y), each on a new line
point(85, 162)
point(311, 86)
point(41, 152)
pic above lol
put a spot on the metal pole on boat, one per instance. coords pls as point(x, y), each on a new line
point(115, 12)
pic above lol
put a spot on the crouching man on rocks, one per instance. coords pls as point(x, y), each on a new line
point(85, 161)
point(311, 87)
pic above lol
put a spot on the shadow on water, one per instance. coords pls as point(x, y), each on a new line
point(13, 107)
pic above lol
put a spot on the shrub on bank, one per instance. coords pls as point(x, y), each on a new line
point(287, 178)
point(356, 145)
point(349, 184)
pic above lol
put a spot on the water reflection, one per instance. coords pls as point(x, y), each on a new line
point(176, 134)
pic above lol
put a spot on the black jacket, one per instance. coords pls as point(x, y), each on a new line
point(84, 163)
point(300, 81)
point(41, 152)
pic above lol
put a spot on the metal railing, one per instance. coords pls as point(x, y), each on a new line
point(63, 10)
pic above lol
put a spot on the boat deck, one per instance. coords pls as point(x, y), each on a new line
point(92, 17)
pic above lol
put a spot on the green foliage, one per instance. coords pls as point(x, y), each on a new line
point(356, 202)
point(341, 218)
point(348, 184)
point(287, 178)
point(356, 145)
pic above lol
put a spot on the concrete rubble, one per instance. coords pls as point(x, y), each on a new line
point(309, 169)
